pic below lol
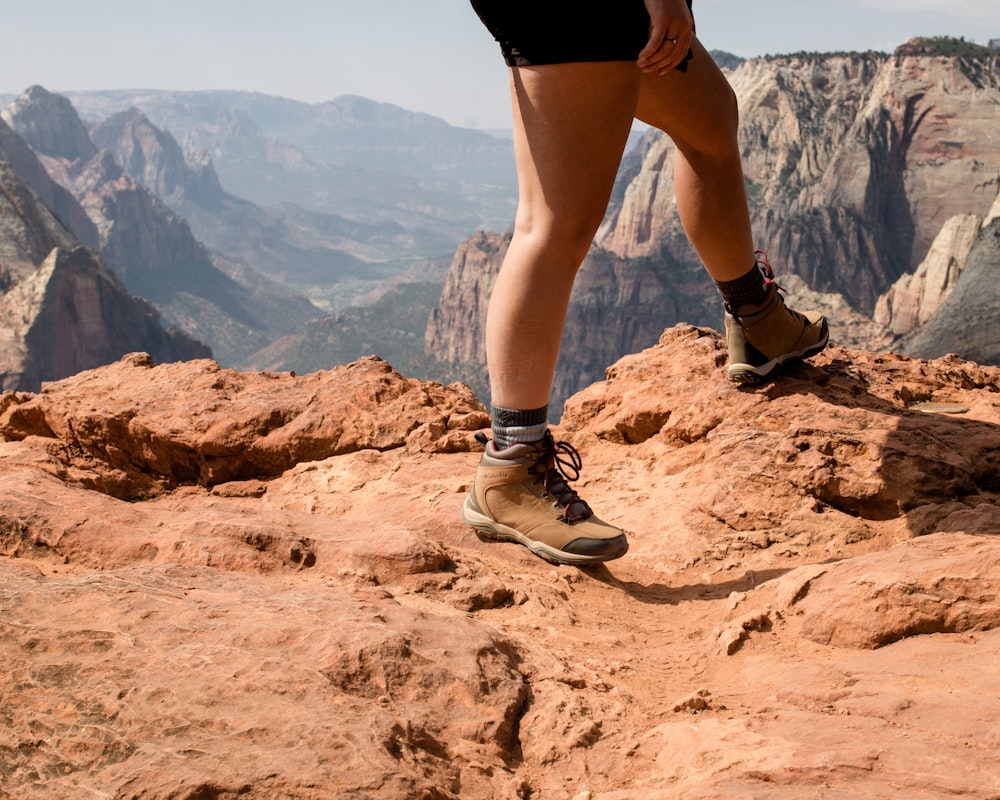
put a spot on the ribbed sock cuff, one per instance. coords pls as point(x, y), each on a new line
point(513, 426)
point(748, 289)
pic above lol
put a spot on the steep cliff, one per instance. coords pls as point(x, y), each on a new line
point(16, 152)
point(968, 319)
point(28, 229)
point(852, 164)
point(80, 317)
point(150, 248)
point(916, 297)
point(61, 310)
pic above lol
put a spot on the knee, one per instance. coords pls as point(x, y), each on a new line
point(720, 138)
point(561, 240)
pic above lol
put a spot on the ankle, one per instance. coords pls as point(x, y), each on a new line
point(515, 426)
point(749, 290)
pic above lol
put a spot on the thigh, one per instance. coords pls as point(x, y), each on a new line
point(696, 108)
point(571, 124)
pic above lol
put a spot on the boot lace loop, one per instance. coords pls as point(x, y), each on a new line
point(765, 267)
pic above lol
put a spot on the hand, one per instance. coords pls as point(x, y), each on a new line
point(670, 33)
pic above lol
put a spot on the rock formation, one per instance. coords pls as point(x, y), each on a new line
point(966, 321)
point(155, 160)
point(256, 585)
point(916, 297)
point(456, 329)
point(61, 310)
point(151, 249)
point(75, 315)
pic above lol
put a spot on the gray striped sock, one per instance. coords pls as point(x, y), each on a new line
point(512, 426)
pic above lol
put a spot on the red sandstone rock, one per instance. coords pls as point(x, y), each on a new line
point(288, 606)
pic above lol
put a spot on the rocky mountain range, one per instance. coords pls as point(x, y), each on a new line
point(61, 309)
point(859, 167)
point(150, 248)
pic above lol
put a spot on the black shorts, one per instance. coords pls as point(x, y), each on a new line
point(533, 32)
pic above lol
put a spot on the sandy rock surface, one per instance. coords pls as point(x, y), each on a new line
point(224, 585)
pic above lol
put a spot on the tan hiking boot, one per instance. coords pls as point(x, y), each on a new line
point(522, 494)
point(764, 336)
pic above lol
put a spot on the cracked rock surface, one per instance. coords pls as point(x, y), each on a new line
point(250, 585)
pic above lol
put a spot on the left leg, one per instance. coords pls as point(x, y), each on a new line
point(698, 110)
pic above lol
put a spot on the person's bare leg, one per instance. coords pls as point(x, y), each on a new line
point(571, 123)
point(697, 109)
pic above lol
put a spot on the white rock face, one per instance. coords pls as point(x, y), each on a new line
point(915, 298)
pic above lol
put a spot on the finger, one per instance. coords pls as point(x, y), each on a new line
point(662, 53)
point(657, 37)
point(673, 52)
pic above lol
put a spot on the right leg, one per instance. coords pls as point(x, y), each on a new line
point(698, 110)
point(571, 123)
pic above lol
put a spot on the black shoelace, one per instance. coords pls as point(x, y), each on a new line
point(558, 465)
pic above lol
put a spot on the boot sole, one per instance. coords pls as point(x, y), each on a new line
point(748, 373)
point(492, 530)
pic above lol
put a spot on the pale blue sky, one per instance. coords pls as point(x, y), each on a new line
point(424, 55)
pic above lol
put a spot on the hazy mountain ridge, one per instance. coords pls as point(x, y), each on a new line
point(371, 162)
point(273, 241)
point(147, 245)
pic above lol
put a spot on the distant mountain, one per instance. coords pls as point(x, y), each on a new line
point(277, 242)
point(369, 162)
point(726, 60)
point(61, 309)
point(149, 247)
